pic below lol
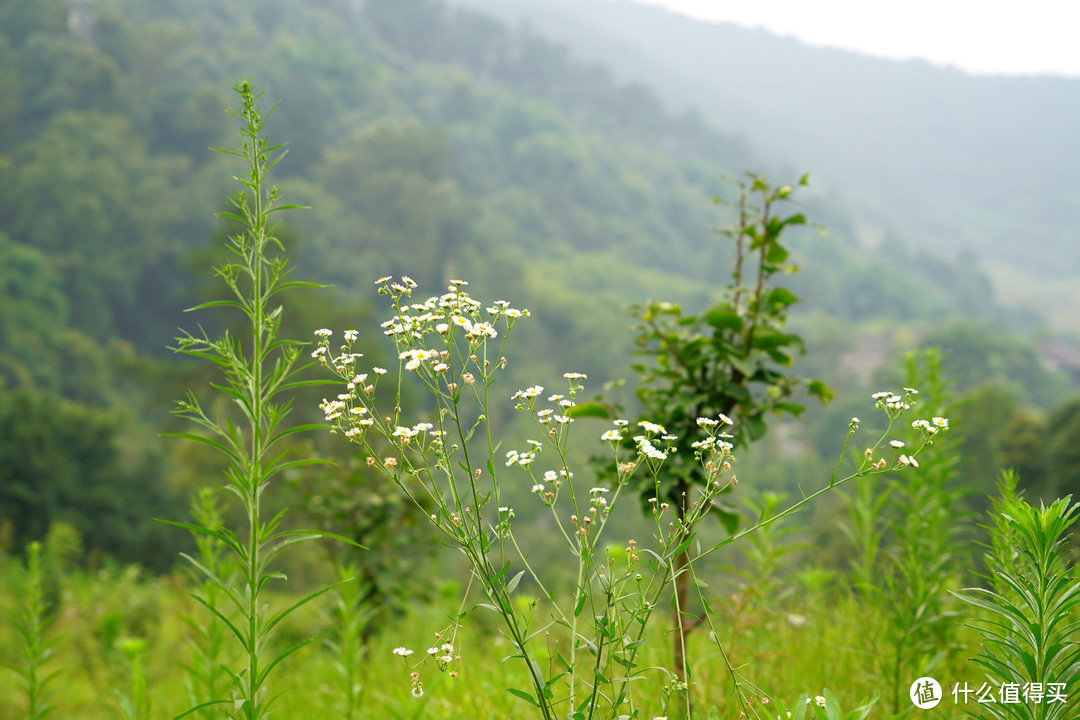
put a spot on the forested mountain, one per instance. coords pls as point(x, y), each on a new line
point(427, 141)
point(985, 165)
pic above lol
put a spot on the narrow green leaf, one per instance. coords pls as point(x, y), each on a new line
point(589, 410)
point(523, 695)
point(512, 585)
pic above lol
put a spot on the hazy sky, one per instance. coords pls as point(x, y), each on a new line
point(984, 36)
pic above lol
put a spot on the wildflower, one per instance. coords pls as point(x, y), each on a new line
point(941, 422)
point(575, 376)
point(383, 279)
point(528, 393)
point(820, 700)
point(319, 352)
point(538, 488)
point(908, 461)
point(333, 409)
point(897, 444)
point(649, 450)
point(417, 690)
point(621, 423)
point(404, 432)
point(598, 490)
point(379, 371)
point(351, 335)
point(611, 435)
point(323, 332)
point(482, 330)
point(725, 419)
point(707, 422)
point(415, 357)
point(403, 651)
point(652, 427)
point(442, 328)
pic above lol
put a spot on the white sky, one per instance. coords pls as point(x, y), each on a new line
point(982, 36)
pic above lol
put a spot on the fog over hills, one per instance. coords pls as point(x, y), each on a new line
point(970, 165)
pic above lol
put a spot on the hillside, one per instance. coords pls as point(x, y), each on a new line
point(967, 164)
point(426, 140)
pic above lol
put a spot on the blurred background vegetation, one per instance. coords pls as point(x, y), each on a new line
point(442, 142)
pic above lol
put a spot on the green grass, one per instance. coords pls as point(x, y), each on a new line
point(797, 646)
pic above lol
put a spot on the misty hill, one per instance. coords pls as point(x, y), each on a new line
point(931, 155)
point(427, 141)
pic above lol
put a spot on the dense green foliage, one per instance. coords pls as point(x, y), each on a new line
point(441, 143)
point(430, 141)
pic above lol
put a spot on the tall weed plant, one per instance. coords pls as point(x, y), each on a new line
point(921, 563)
point(31, 620)
point(1029, 624)
point(260, 371)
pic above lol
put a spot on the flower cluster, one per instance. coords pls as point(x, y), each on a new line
point(894, 405)
point(443, 315)
point(442, 654)
point(427, 338)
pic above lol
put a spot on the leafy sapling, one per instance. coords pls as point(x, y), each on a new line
point(728, 360)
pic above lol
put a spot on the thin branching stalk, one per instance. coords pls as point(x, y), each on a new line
point(447, 344)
